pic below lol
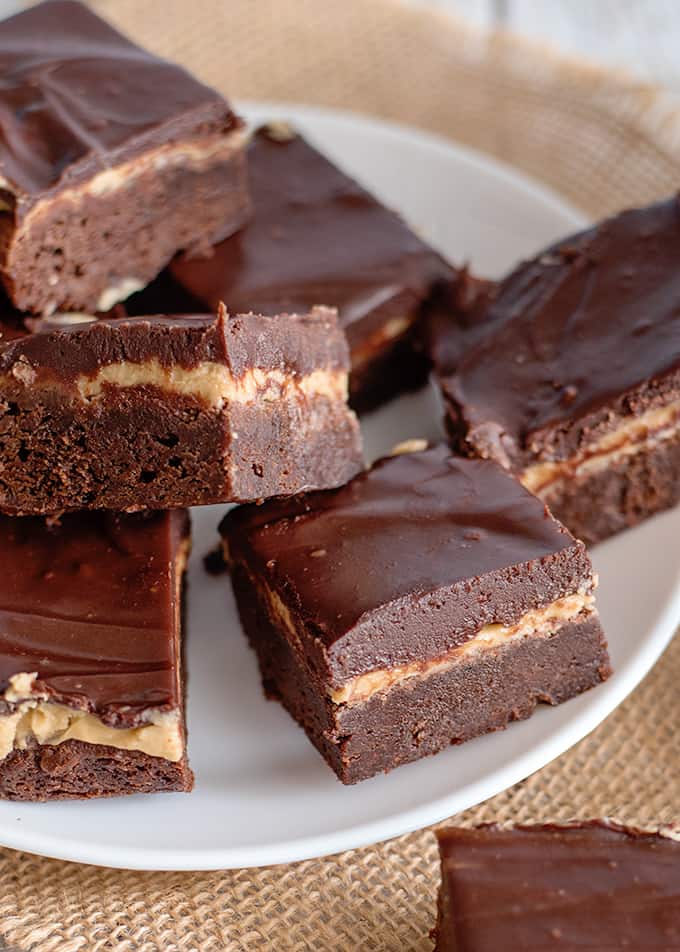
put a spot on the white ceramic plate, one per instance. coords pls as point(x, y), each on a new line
point(263, 795)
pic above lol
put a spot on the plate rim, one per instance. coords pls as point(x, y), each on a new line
point(400, 822)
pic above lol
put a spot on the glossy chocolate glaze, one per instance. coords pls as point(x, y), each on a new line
point(293, 344)
point(76, 97)
point(90, 603)
point(593, 885)
point(574, 331)
point(408, 559)
point(316, 237)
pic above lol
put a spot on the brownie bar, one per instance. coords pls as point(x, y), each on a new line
point(168, 412)
point(317, 237)
point(430, 600)
point(571, 375)
point(591, 885)
point(91, 686)
point(111, 161)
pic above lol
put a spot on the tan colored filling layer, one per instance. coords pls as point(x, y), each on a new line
point(44, 721)
point(210, 382)
point(215, 384)
point(638, 435)
point(192, 155)
point(538, 623)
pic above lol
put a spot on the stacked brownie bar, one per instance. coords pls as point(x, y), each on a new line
point(113, 161)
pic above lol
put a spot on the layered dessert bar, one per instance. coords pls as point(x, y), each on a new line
point(111, 160)
point(317, 237)
point(574, 385)
point(168, 412)
point(91, 683)
point(430, 600)
point(590, 885)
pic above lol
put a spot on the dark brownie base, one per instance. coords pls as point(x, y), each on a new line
point(308, 446)
point(422, 716)
point(76, 250)
point(619, 497)
point(166, 449)
point(76, 770)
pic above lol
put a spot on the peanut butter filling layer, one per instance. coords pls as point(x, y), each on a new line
point(215, 384)
point(539, 623)
point(639, 435)
point(37, 719)
point(209, 382)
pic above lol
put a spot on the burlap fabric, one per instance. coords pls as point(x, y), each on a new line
point(603, 142)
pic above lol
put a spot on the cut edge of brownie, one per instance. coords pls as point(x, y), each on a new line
point(166, 412)
point(89, 253)
point(422, 716)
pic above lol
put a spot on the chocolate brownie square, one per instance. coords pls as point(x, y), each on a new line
point(111, 161)
point(568, 372)
point(430, 600)
point(91, 682)
point(161, 412)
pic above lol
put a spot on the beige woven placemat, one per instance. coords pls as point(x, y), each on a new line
point(603, 141)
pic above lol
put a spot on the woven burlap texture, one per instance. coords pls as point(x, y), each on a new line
point(601, 140)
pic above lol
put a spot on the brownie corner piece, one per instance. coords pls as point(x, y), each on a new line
point(569, 377)
point(592, 884)
point(91, 671)
point(156, 413)
point(111, 161)
point(430, 600)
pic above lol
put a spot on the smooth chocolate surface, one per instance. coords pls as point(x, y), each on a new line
point(407, 560)
point(316, 237)
point(90, 603)
point(593, 320)
point(593, 885)
point(77, 97)
point(293, 344)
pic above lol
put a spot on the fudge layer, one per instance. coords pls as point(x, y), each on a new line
point(91, 687)
point(111, 160)
point(590, 885)
point(168, 412)
point(430, 600)
point(575, 383)
point(317, 237)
